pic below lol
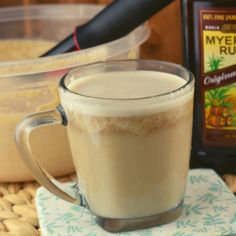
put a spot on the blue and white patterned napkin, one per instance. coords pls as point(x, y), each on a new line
point(209, 209)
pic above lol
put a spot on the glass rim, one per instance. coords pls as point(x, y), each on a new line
point(189, 81)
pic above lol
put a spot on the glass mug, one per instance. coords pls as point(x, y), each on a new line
point(129, 125)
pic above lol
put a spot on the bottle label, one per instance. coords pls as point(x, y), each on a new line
point(218, 75)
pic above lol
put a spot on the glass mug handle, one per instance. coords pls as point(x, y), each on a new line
point(23, 130)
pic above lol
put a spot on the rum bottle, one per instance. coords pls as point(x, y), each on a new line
point(209, 29)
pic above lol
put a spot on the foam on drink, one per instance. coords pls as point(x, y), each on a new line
point(128, 85)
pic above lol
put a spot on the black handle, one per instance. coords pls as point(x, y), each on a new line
point(113, 22)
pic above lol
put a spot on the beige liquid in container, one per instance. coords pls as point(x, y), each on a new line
point(49, 143)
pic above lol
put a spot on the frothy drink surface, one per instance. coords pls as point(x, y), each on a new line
point(135, 84)
point(130, 164)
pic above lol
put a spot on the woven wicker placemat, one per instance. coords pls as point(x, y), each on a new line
point(18, 215)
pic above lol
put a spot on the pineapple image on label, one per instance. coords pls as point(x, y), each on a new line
point(220, 107)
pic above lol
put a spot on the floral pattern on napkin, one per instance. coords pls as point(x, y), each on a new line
point(209, 209)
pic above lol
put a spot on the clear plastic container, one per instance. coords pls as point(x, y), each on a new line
point(28, 86)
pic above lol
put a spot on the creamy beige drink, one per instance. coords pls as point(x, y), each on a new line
point(131, 156)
